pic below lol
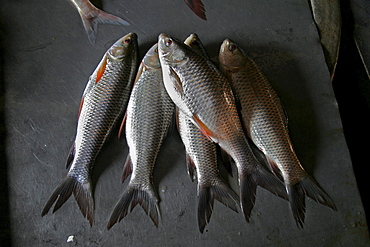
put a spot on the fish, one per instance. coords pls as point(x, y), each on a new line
point(148, 119)
point(102, 106)
point(197, 7)
point(91, 16)
point(265, 121)
point(201, 155)
point(203, 94)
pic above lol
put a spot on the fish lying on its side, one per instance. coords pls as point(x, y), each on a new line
point(201, 155)
point(265, 121)
point(91, 16)
point(103, 104)
point(148, 117)
point(200, 91)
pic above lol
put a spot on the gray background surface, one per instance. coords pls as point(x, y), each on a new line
point(47, 62)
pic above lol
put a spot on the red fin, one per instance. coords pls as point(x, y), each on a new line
point(197, 7)
point(122, 127)
point(207, 132)
point(127, 169)
point(101, 69)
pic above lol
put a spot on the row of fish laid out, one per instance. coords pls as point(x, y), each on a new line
point(228, 108)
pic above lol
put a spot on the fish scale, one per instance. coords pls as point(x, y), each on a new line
point(103, 102)
point(266, 124)
point(149, 115)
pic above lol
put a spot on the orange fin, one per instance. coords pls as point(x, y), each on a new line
point(101, 69)
point(205, 130)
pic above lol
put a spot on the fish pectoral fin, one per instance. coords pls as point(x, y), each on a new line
point(101, 69)
point(127, 168)
point(191, 167)
point(176, 81)
point(203, 127)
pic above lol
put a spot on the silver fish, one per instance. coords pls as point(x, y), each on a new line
point(103, 104)
point(266, 123)
point(149, 115)
point(91, 16)
point(200, 91)
point(202, 156)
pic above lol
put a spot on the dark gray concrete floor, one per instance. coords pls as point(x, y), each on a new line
point(47, 60)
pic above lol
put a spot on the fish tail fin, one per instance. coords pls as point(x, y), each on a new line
point(81, 192)
point(91, 23)
point(308, 186)
point(206, 196)
point(248, 187)
point(133, 195)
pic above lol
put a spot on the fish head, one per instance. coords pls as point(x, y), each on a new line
point(123, 47)
point(193, 41)
point(172, 52)
point(231, 55)
point(151, 58)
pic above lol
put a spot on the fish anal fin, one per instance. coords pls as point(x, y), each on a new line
point(191, 167)
point(274, 168)
point(71, 155)
point(127, 168)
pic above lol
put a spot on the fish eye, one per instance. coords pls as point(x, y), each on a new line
point(127, 41)
point(156, 50)
point(232, 47)
point(169, 42)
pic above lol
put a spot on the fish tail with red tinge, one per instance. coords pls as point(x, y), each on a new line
point(91, 23)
